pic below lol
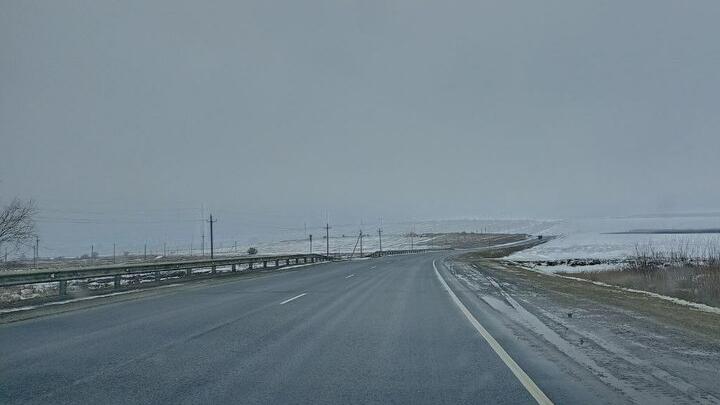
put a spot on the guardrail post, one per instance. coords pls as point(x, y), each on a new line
point(213, 270)
point(188, 272)
point(234, 268)
point(312, 260)
point(116, 281)
point(62, 287)
point(157, 276)
point(305, 259)
point(287, 262)
point(264, 264)
point(297, 260)
point(277, 263)
point(250, 266)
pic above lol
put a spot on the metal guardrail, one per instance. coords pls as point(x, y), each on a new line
point(403, 252)
point(62, 276)
point(120, 272)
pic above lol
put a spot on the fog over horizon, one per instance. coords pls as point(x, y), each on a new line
point(122, 119)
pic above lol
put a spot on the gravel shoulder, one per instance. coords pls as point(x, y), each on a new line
point(645, 348)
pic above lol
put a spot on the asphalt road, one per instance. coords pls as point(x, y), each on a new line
point(369, 331)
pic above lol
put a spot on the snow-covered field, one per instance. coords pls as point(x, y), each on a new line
point(338, 244)
point(394, 235)
point(592, 238)
point(588, 238)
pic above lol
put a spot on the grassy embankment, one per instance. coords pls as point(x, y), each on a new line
point(469, 240)
point(685, 272)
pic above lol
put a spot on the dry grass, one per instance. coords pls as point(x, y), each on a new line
point(685, 272)
point(503, 251)
point(465, 240)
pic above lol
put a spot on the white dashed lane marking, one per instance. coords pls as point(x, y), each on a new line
point(292, 299)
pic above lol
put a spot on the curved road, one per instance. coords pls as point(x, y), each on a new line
point(369, 331)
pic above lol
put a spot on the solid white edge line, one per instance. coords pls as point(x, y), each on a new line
point(352, 275)
point(292, 299)
point(524, 379)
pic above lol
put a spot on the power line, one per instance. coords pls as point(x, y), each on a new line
point(96, 221)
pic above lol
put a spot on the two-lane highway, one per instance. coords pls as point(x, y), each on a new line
point(382, 330)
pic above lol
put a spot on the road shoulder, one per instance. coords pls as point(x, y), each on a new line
point(642, 347)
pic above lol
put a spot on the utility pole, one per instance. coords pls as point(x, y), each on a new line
point(113, 253)
point(361, 238)
point(145, 252)
point(412, 238)
point(37, 251)
point(164, 249)
point(380, 238)
point(327, 240)
point(310, 243)
point(235, 246)
point(357, 242)
point(202, 246)
point(211, 235)
point(92, 253)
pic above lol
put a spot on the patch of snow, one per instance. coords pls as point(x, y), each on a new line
point(566, 268)
point(54, 303)
point(592, 238)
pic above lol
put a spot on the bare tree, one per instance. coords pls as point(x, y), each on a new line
point(17, 224)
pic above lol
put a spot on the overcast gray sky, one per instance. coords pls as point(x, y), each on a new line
point(273, 112)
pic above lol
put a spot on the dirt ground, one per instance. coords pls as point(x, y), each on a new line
point(465, 240)
point(634, 342)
